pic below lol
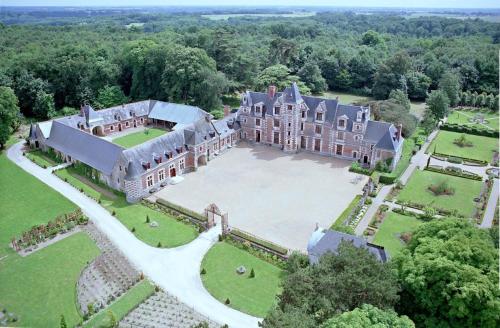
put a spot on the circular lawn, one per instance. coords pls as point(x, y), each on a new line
point(255, 296)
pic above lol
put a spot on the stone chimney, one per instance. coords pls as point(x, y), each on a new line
point(399, 131)
point(227, 110)
point(271, 91)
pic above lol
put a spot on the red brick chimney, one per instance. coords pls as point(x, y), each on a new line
point(227, 110)
point(271, 91)
point(399, 131)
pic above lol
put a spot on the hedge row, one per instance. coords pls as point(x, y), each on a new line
point(466, 159)
point(181, 210)
point(360, 170)
point(463, 174)
point(441, 211)
point(253, 239)
point(387, 179)
point(470, 130)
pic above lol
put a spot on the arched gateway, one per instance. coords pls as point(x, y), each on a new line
point(210, 212)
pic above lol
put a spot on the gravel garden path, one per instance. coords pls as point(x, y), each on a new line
point(175, 270)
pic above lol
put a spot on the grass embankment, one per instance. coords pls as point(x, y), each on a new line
point(169, 233)
point(123, 305)
point(343, 216)
point(462, 199)
point(255, 296)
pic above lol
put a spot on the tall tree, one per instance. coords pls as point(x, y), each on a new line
point(110, 96)
point(438, 104)
point(390, 75)
point(369, 316)
point(450, 84)
point(449, 275)
point(401, 98)
point(44, 106)
point(418, 84)
point(9, 114)
point(336, 284)
point(310, 74)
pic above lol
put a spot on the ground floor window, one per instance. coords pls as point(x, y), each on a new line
point(149, 181)
point(127, 124)
point(339, 150)
point(317, 144)
point(303, 142)
point(142, 120)
point(354, 154)
point(276, 138)
point(182, 164)
point(112, 128)
point(161, 175)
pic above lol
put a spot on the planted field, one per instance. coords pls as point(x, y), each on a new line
point(254, 296)
point(390, 231)
point(136, 138)
point(40, 288)
point(479, 148)
point(24, 202)
point(169, 232)
point(458, 195)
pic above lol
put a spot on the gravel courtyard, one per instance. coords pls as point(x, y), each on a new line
point(276, 196)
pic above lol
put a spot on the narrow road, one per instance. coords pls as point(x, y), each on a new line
point(175, 270)
point(489, 214)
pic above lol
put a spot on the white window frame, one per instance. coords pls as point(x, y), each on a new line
point(257, 122)
point(341, 133)
point(149, 181)
point(161, 174)
point(182, 164)
point(279, 110)
point(127, 124)
point(111, 127)
point(258, 109)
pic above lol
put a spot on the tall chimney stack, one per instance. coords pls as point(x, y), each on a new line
point(271, 91)
point(227, 110)
point(398, 133)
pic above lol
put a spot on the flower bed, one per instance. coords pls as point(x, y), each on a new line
point(454, 172)
point(181, 210)
point(267, 245)
point(41, 233)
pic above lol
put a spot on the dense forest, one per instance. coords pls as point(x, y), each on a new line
point(106, 60)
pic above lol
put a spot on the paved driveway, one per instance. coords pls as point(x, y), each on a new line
point(277, 196)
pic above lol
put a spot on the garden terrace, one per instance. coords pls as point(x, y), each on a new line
point(163, 309)
point(139, 137)
point(465, 190)
point(255, 296)
point(106, 278)
point(482, 148)
point(169, 231)
point(392, 229)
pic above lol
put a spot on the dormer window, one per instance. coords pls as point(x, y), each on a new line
point(158, 159)
point(319, 116)
point(290, 107)
point(146, 165)
point(258, 109)
point(276, 110)
point(132, 113)
point(359, 116)
point(179, 150)
point(341, 123)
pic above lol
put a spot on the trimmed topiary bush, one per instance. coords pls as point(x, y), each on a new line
point(252, 273)
point(227, 302)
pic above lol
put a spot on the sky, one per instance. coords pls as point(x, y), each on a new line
point(253, 3)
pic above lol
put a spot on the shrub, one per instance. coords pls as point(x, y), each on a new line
point(159, 244)
point(356, 168)
point(462, 141)
point(203, 271)
point(157, 288)
point(133, 229)
point(454, 160)
point(441, 188)
point(227, 302)
point(387, 179)
point(113, 213)
point(368, 201)
point(252, 273)
point(147, 219)
point(221, 238)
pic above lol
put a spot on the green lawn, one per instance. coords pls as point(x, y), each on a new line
point(462, 117)
point(123, 305)
point(389, 231)
point(24, 202)
point(255, 296)
point(39, 158)
point(416, 191)
point(170, 232)
point(40, 287)
point(136, 138)
point(343, 216)
point(482, 147)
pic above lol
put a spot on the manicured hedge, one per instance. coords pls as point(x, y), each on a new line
point(387, 179)
point(253, 239)
point(358, 169)
point(463, 174)
point(470, 130)
point(181, 210)
point(470, 160)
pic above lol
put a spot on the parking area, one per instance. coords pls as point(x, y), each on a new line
point(276, 196)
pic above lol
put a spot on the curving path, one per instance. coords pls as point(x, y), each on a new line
point(175, 270)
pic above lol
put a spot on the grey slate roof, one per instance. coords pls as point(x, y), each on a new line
point(292, 94)
point(147, 151)
point(383, 134)
point(253, 98)
point(177, 113)
point(84, 147)
point(227, 125)
point(331, 240)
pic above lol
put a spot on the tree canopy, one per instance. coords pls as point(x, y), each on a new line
point(368, 316)
point(9, 114)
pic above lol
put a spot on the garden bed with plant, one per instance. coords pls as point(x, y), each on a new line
point(395, 231)
point(418, 193)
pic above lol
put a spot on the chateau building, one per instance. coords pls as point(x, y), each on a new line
point(294, 123)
